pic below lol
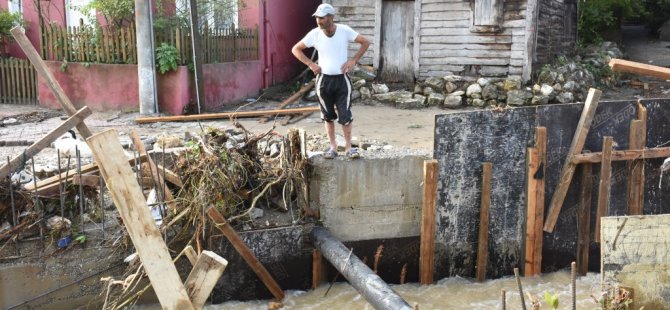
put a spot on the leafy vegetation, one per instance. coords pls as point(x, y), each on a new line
point(115, 12)
point(657, 13)
point(167, 58)
point(598, 16)
point(7, 22)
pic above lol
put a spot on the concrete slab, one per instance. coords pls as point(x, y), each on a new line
point(368, 199)
point(636, 254)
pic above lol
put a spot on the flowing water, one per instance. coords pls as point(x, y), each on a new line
point(451, 293)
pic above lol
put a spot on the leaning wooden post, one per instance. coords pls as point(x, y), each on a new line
point(637, 141)
point(520, 287)
point(483, 244)
point(584, 220)
point(203, 277)
point(39, 145)
point(569, 166)
point(427, 248)
point(146, 237)
point(50, 80)
point(605, 183)
point(245, 252)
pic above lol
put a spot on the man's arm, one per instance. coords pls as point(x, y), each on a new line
point(364, 44)
point(297, 51)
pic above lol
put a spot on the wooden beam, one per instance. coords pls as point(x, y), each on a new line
point(483, 243)
point(637, 140)
point(86, 180)
point(191, 255)
point(245, 252)
point(50, 185)
point(536, 170)
point(146, 237)
point(596, 157)
point(292, 99)
point(639, 68)
point(48, 77)
point(161, 187)
point(584, 220)
point(241, 114)
point(605, 183)
point(203, 277)
point(45, 141)
point(170, 176)
point(427, 247)
point(569, 167)
point(318, 270)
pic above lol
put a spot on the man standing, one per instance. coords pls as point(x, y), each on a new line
point(333, 86)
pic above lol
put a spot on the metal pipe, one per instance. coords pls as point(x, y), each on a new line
point(81, 191)
point(369, 285)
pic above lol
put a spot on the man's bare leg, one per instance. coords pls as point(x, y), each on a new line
point(347, 137)
point(330, 130)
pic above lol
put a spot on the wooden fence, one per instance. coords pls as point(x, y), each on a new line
point(104, 45)
point(18, 81)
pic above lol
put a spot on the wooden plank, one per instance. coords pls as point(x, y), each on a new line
point(50, 80)
point(293, 98)
point(635, 171)
point(428, 222)
point(203, 277)
point(539, 176)
point(161, 186)
point(532, 165)
point(605, 183)
point(483, 243)
point(86, 180)
point(45, 141)
point(170, 176)
point(245, 252)
point(241, 114)
point(584, 220)
point(639, 68)
point(51, 184)
point(595, 157)
point(146, 237)
point(569, 167)
point(318, 270)
point(637, 140)
point(191, 255)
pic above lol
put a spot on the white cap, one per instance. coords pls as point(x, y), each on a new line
point(323, 10)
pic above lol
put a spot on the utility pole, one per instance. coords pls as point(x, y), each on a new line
point(197, 52)
point(145, 57)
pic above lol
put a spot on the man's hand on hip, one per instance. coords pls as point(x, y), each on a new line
point(347, 66)
point(315, 68)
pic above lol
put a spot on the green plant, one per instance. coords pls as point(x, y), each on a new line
point(552, 300)
point(117, 12)
point(7, 22)
point(63, 66)
point(657, 13)
point(167, 58)
point(597, 16)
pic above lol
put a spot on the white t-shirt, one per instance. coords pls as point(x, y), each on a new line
point(333, 51)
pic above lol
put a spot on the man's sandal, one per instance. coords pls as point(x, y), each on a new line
point(353, 153)
point(330, 154)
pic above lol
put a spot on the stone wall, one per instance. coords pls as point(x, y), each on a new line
point(557, 29)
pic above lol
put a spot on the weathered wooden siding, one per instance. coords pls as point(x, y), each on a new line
point(557, 29)
point(448, 44)
point(359, 15)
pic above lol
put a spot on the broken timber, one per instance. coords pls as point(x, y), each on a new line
point(379, 294)
point(44, 72)
point(427, 247)
point(584, 220)
point(595, 157)
point(203, 277)
point(159, 183)
point(292, 99)
point(240, 114)
point(569, 166)
point(637, 140)
point(639, 68)
point(536, 171)
point(605, 186)
point(146, 237)
point(245, 252)
point(483, 243)
point(45, 141)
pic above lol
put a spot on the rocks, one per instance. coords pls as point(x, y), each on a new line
point(380, 88)
point(453, 101)
point(435, 83)
point(358, 84)
point(427, 90)
point(365, 93)
point(392, 97)
point(450, 87)
point(10, 121)
point(565, 97)
point(435, 99)
point(473, 89)
point(518, 97)
point(512, 83)
point(490, 91)
point(409, 103)
point(363, 72)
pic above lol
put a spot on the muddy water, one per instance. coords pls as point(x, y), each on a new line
point(453, 293)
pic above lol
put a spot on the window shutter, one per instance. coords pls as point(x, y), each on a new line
point(488, 16)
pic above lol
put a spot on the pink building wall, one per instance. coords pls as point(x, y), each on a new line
point(115, 87)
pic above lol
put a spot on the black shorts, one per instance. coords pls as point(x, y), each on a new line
point(334, 93)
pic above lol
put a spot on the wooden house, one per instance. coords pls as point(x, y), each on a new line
point(417, 39)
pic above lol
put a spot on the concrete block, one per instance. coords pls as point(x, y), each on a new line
point(369, 198)
point(635, 253)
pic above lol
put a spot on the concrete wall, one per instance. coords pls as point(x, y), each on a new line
point(368, 198)
point(635, 253)
point(464, 140)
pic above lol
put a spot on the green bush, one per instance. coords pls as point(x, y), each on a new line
point(167, 58)
point(8, 21)
point(596, 16)
point(658, 12)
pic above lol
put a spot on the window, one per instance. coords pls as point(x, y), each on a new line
point(15, 6)
point(488, 16)
point(216, 13)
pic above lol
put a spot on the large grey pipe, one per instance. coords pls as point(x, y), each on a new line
point(359, 275)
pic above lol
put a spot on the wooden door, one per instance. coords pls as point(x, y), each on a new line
point(397, 41)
